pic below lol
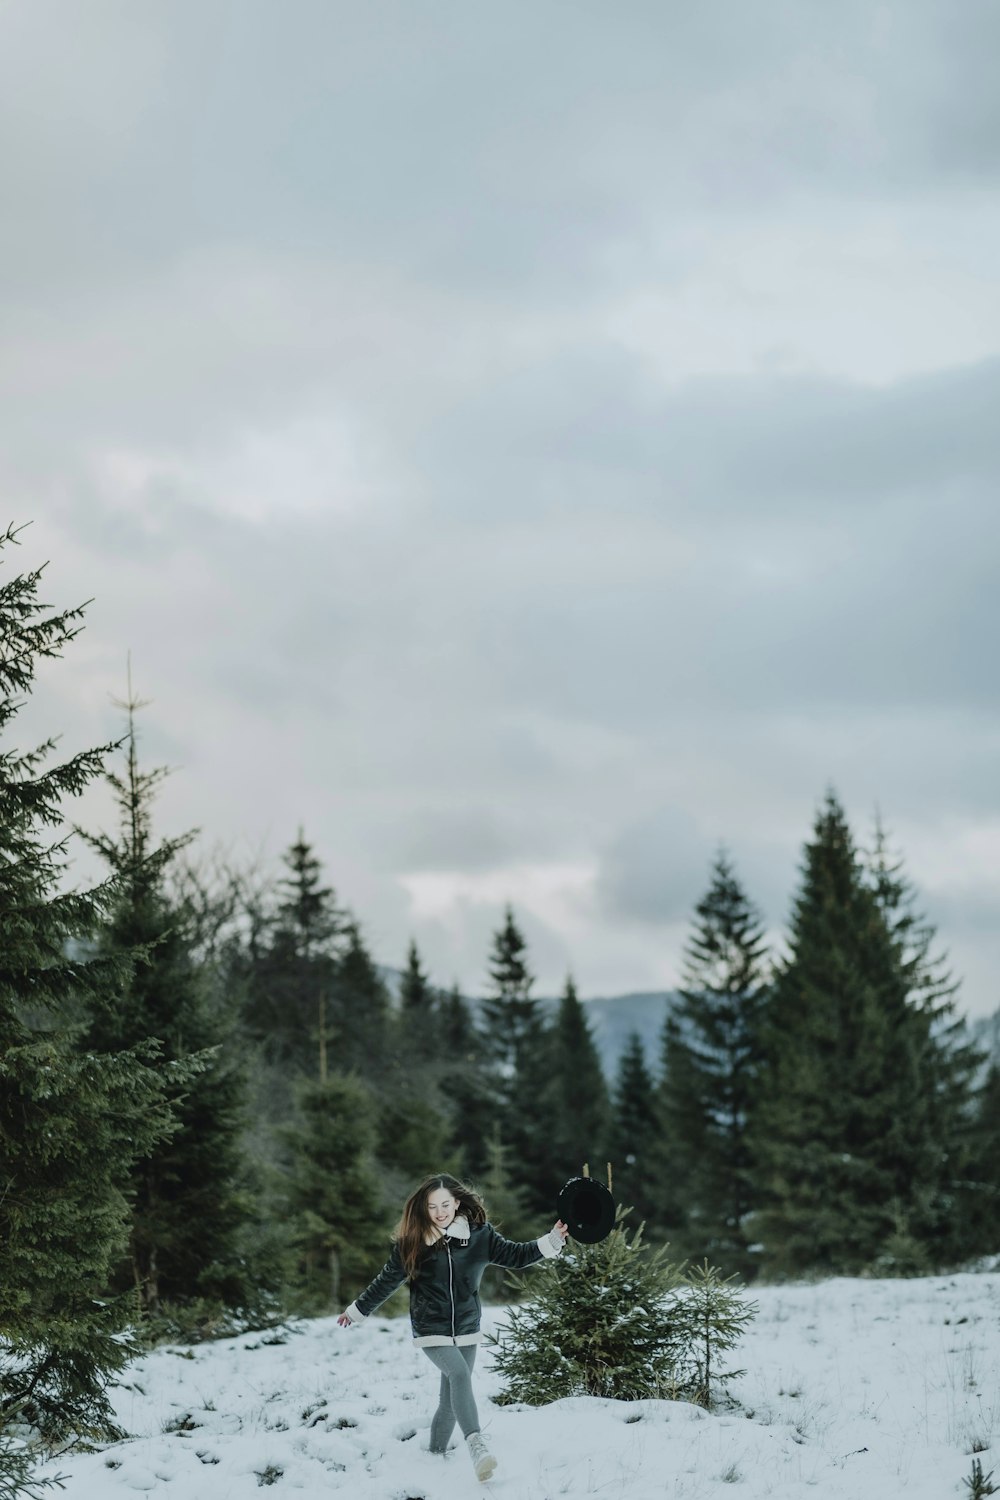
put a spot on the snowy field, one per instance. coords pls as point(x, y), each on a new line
point(854, 1390)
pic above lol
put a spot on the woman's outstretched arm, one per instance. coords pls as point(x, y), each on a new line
point(517, 1254)
point(391, 1276)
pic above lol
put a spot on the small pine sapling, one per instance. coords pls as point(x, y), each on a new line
point(712, 1315)
point(617, 1319)
point(599, 1322)
point(978, 1484)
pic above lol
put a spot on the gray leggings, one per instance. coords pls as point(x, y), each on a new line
point(456, 1399)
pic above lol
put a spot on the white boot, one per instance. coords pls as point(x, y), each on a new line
point(482, 1459)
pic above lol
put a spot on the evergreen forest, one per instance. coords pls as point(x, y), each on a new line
point(214, 1096)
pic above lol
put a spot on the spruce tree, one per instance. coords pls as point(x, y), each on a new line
point(292, 967)
point(18, 1479)
point(72, 1122)
point(978, 1226)
point(519, 1056)
point(414, 1139)
point(506, 1203)
point(332, 1193)
point(635, 1132)
point(458, 1033)
point(508, 1209)
point(417, 1021)
point(948, 1064)
point(464, 1085)
point(359, 1010)
point(187, 1204)
point(978, 1484)
point(712, 1317)
point(711, 1061)
point(841, 1136)
point(581, 1118)
point(598, 1321)
point(510, 1016)
point(620, 1321)
point(413, 1118)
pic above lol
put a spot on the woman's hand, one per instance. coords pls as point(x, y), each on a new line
point(344, 1321)
point(561, 1229)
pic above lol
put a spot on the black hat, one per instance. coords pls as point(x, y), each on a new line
point(587, 1207)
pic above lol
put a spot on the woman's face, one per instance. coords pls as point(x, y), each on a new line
point(441, 1208)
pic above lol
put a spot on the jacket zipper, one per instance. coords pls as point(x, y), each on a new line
point(451, 1289)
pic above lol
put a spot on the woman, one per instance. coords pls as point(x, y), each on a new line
point(441, 1247)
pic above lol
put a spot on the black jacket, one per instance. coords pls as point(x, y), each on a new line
point(444, 1294)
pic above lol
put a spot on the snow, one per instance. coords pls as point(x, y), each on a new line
point(854, 1390)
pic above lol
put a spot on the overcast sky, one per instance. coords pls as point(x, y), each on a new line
point(526, 445)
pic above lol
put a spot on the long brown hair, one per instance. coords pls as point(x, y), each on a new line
point(414, 1227)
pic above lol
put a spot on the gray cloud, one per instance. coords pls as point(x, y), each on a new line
point(476, 148)
point(590, 430)
point(650, 872)
point(528, 447)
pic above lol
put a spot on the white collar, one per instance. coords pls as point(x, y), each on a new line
point(458, 1229)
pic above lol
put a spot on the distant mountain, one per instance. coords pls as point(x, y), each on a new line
point(612, 1018)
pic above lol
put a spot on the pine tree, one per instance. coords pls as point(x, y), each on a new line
point(293, 969)
point(418, 1013)
point(332, 1193)
point(413, 1117)
point(72, 1122)
point(635, 1132)
point(464, 1085)
point(414, 1139)
point(508, 1209)
point(711, 1060)
point(842, 1129)
point(519, 1056)
point(948, 1064)
point(510, 1017)
point(187, 1204)
point(581, 1118)
point(712, 1318)
point(978, 1484)
point(506, 1203)
point(18, 1479)
point(598, 1321)
point(359, 1010)
point(979, 1210)
point(458, 1034)
point(619, 1321)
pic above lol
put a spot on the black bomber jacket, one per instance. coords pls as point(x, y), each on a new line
point(444, 1294)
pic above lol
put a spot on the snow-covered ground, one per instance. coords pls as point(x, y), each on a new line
point(854, 1390)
